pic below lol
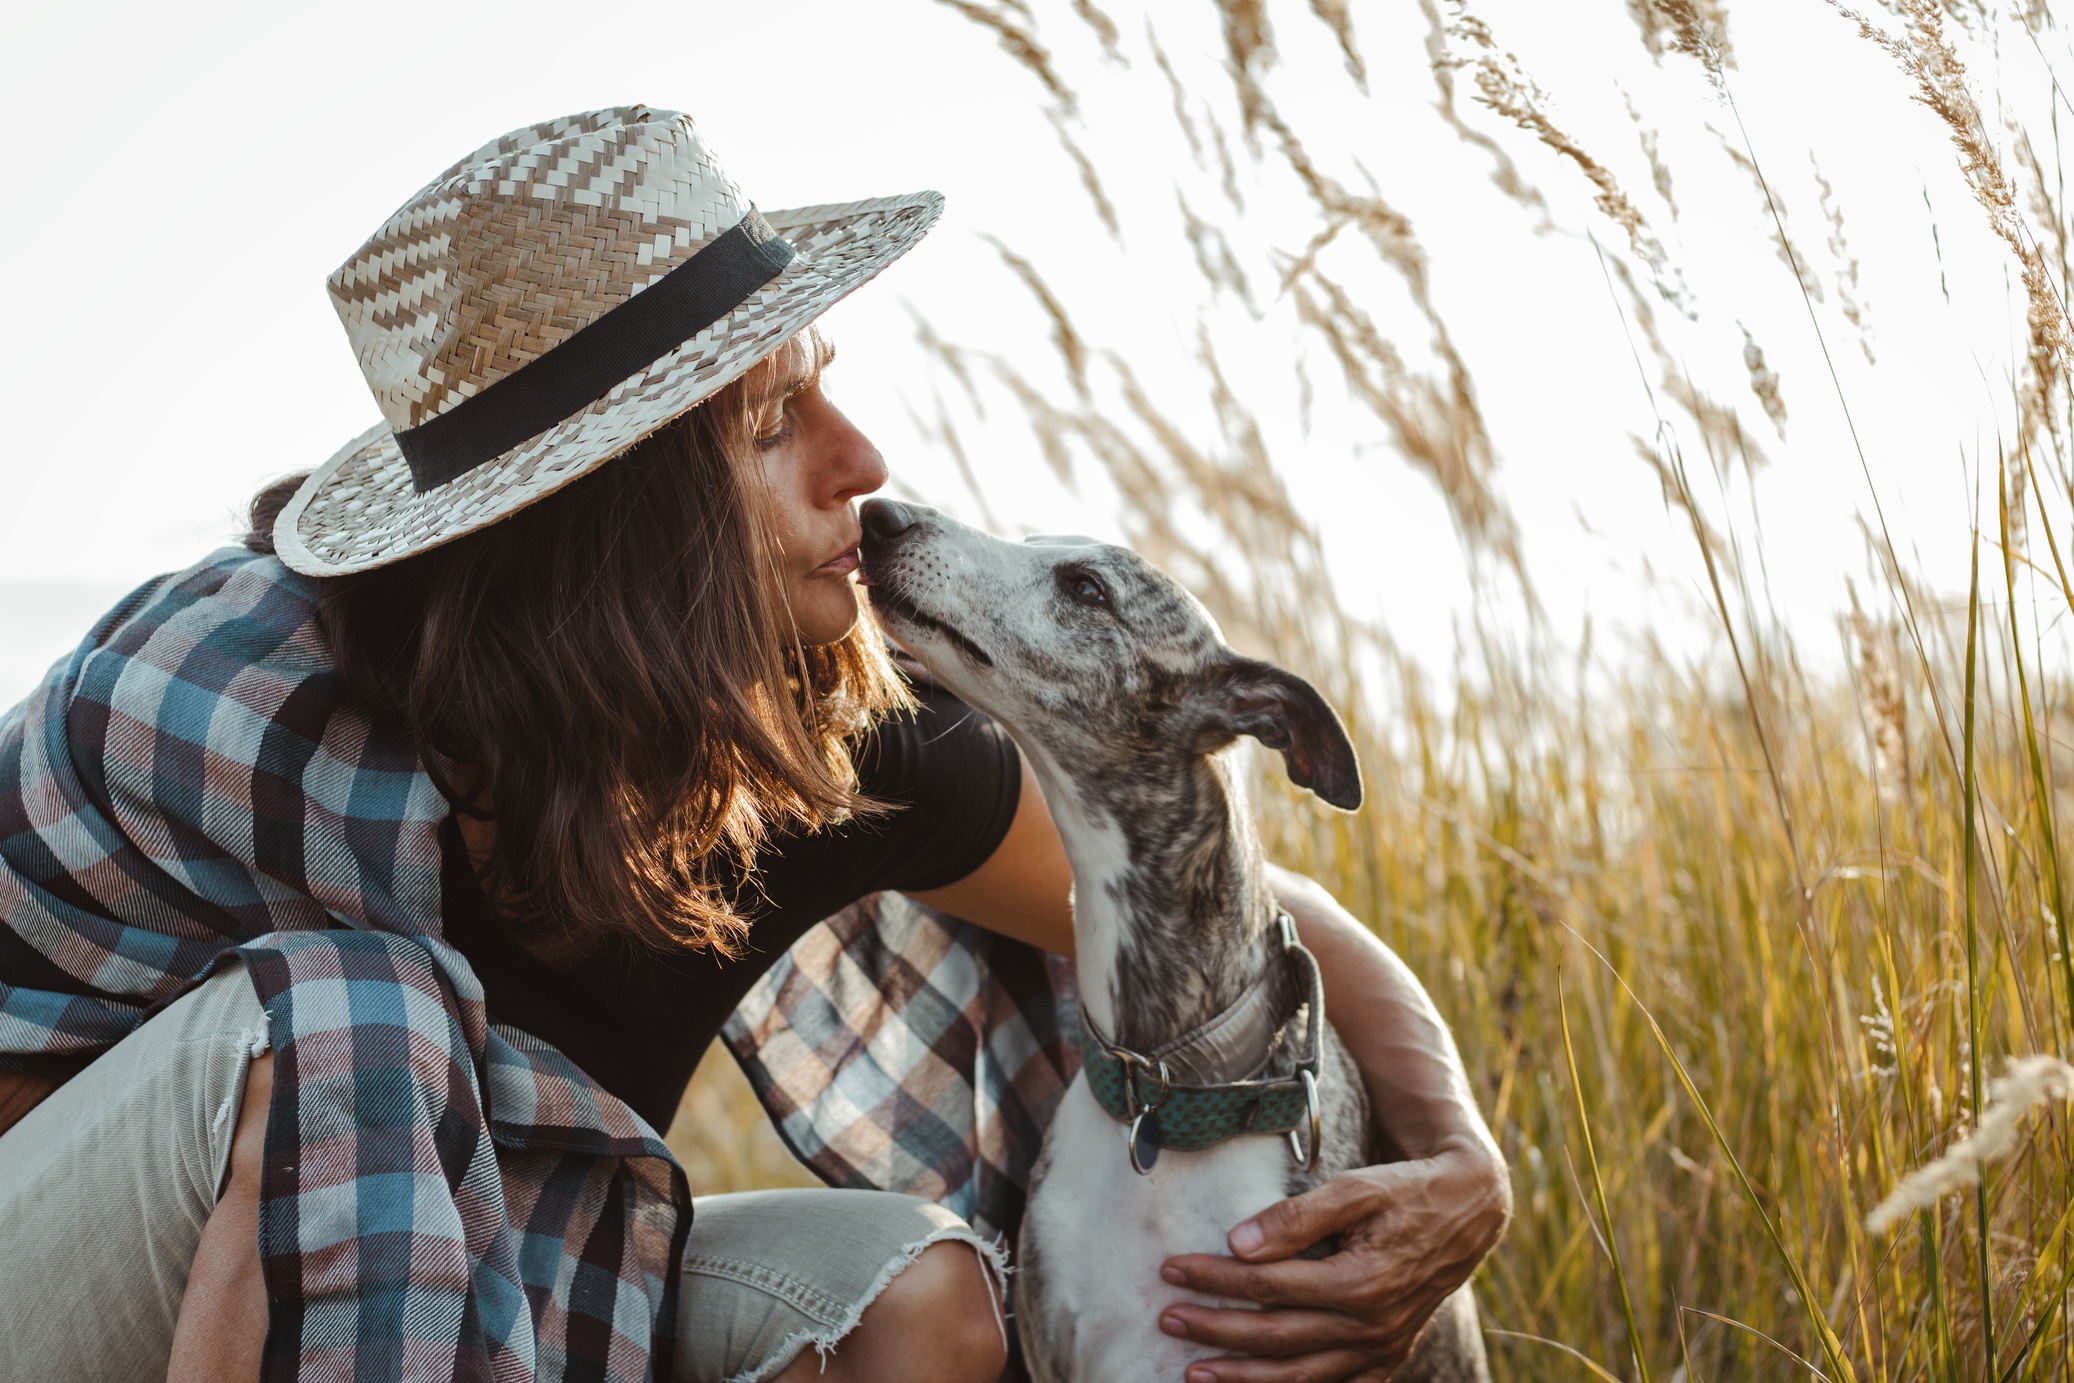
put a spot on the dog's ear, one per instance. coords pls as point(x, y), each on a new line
point(1284, 712)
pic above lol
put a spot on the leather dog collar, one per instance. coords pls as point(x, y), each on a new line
point(1138, 1090)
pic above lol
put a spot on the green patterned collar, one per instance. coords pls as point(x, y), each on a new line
point(1137, 1089)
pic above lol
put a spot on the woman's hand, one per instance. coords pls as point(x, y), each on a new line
point(1410, 1234)
point(1411, 1231)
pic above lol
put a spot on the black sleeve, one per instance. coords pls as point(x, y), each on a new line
point(952, 780)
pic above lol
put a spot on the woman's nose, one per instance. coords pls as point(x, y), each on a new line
point(853, 465)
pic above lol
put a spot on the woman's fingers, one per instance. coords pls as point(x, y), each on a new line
point(1331, 1366)
point(1290, 1282)
point(1288, 1227)
point(1269, 1334)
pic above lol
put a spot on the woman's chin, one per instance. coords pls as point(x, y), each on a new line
point(825, 612)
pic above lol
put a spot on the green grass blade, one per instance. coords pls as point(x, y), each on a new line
point(2048, 828)
point(1970, 767)
point(1591, 1156)
point(1753, 1330)
point(2057, 1300)
point(1598, 1370)
point(1832, 1347)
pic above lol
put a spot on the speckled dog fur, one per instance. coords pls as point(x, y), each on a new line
point(1122, 695)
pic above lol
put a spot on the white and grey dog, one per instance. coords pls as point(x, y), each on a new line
point(1121, 693)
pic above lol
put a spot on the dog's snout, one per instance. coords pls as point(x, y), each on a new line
point(885, 520)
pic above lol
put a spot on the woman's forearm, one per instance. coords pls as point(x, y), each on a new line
point(1420, 1093)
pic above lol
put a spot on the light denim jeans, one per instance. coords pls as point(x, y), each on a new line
point(105, 1187)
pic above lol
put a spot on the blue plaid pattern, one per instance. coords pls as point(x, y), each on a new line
point(443, 1196)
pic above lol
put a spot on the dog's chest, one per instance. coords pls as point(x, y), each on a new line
point(1100, 1232)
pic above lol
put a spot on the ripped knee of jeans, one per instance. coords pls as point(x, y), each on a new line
point(249, 1044)
point(993, 1267)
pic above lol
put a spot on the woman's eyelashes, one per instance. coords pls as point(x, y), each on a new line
point(773, 422)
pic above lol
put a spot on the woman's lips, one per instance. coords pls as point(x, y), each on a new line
point(841, 565)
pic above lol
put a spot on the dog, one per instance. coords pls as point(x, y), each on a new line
point(1198, 1003)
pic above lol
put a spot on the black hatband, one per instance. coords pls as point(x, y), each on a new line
point(590, 364)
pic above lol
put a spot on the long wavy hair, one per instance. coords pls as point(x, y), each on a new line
point(613, 676)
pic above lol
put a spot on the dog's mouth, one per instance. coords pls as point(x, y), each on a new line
point(889, 599)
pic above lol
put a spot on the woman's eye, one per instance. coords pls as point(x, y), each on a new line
point(773, 427)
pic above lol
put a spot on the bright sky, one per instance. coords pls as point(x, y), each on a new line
point(195, 171)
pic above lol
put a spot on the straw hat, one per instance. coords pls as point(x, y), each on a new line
point(546, 303)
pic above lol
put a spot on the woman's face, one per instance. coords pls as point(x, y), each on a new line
point(814, 465)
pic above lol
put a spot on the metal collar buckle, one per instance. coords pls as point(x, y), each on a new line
point(1307, 1161)
point(1141, 1109)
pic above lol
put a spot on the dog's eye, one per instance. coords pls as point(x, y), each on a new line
point(1084, 589)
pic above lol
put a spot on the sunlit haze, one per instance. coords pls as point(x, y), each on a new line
point(197, 170)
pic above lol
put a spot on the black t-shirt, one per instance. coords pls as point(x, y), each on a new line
point(638, 1022)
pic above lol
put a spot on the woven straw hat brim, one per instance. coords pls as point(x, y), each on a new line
point(359, 510)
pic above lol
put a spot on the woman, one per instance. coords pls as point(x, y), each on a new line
point(361, 889)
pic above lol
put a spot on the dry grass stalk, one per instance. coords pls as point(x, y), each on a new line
point(1182, 119)
point(1437, 430)
point(1664, 461)
point(1847, 263)
point(1053, 428)
point(1504, 173)
point(1250, 43)
point(1697, 28)
point(1213, 257)
point(941, 352)
point(1764, 382)
point(1719, 426)
point(1783, 245)
point(1227, 166)
point(1090, 181)
point(1659, 171)
point(1072, 350)
point(1333, 15)
point(2029, 1082)
point(1505, 88)
point(1104, 27)
point(2039, 388)
point(1019, 43)
point(1926, 54)
point(943, 432)
point(1879, 678)
point(1440, 427)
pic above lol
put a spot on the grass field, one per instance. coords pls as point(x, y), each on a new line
point(1770, 937)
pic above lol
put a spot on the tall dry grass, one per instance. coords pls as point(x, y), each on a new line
point(1731, 947)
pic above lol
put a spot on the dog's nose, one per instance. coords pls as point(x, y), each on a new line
point(885, 520)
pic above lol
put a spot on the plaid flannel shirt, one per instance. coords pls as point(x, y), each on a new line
point(443, 1196)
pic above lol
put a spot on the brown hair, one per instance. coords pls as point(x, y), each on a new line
point(614, 668)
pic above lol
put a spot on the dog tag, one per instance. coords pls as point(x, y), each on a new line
point(1145, 1141)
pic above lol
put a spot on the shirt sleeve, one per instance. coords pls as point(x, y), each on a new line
point(954, 780)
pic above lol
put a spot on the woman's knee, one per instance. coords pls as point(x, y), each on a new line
point(939, 1318)
point(946, 1304)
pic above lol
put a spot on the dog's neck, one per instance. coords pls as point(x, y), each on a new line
point(1171, 910)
